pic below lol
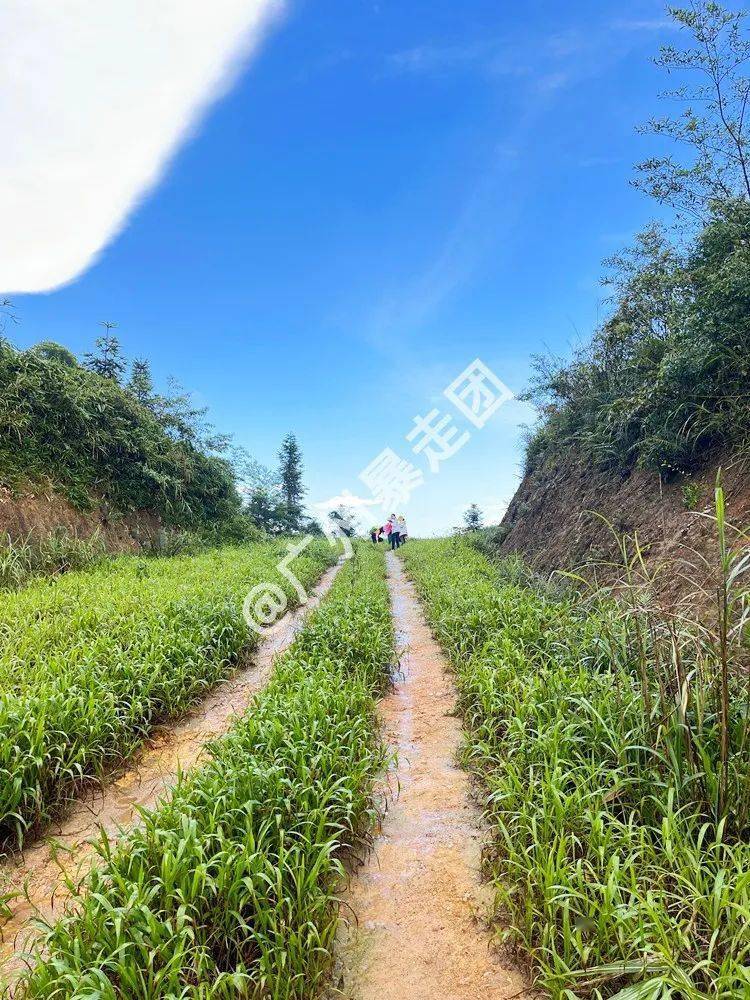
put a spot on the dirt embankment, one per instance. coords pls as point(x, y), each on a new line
point(38, 511)
point(555, 518)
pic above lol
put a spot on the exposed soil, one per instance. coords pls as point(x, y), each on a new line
point(552, 520)
point(419, 930)
point(38, 510)
point(67, 851)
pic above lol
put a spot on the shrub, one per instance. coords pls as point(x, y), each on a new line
point(97, 443)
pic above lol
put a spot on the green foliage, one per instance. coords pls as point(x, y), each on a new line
point(266, 511)
point(473, 518)
point(90, 662)
point(613, 747)
point(58, 552)
point(292, 488)
point(489, 540)
point(228, 889)
point(96, 442)
point(665, 378)
point(55, 352)
point(691, 495)
point(713, 123)
point(107, 360)
point(140, 384)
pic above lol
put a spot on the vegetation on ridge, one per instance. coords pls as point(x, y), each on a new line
point(666, 376)
point(98, 440)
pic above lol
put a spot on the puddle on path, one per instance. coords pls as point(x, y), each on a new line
point(419, 903)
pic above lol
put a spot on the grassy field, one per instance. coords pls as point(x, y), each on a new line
point(90, 661)
point(619, 826)
point(227, 889)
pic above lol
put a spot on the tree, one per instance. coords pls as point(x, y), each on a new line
point(290, 476)
point(713, 124)
point(473, 518)
point(311, 526)
point(106, 359)
point(344, 519)
point(141, 385)
point(265, 511)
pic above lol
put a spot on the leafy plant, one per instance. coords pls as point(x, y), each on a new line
point(58, 552)
point(98, 442)
point(614, 748)
point(229, 887)
point(90, 662)
point(665, 377)
point(691, 495)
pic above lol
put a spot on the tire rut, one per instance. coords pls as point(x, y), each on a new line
point(420, 931)
point(41, 870)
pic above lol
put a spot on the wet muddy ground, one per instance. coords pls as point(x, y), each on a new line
point(40, 871)
point(418, 928)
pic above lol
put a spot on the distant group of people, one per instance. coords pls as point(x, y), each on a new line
point(393, 531)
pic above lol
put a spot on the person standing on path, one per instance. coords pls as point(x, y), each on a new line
point(395, 533)
point(402, 532)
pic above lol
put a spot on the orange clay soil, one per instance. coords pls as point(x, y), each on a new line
point(418, 930)
point(39, 872)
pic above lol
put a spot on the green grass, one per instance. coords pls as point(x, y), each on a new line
point(22, 559)
point(89, 662)
point(228, 888)
point(619, 852)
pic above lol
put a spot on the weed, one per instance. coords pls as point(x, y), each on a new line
point(691, 495)
point(614, 750)
point(229, 888)
point(90, 663)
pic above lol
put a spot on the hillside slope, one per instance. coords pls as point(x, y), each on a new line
point(82, 449)
point(558, 516)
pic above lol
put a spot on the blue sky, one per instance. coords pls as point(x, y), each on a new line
point(385, 192)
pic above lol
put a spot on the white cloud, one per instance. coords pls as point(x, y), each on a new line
point(95, 97)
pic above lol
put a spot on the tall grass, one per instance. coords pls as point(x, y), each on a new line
point(228, 888)
point(613, 747)
point(89, 663)
point(58, 552)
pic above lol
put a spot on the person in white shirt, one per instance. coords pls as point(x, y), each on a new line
point(402, 532)
point(394, 537)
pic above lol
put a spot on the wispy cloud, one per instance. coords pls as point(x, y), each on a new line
point(644, 24)
point(96, 98)
point(490, 56)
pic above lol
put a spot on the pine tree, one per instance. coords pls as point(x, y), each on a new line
point(141, 385)
point(290, 474)
point(106, 359)
point(473, 518)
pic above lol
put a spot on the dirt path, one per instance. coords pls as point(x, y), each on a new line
point(418, 901)
point(42, 866)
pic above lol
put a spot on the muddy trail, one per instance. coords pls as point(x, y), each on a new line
point(39, 872)
point(418, 929)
